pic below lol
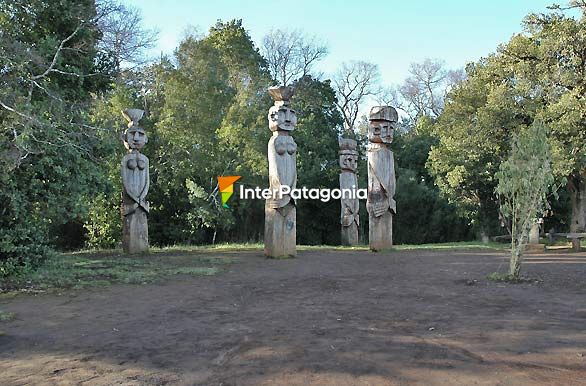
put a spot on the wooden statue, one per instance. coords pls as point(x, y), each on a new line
point(280, 211)
point(349, 218)
point(381, 177)
point(135, 182)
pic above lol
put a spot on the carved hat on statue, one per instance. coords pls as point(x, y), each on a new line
point(281, 116)
point(134, 137)
point(382, 121)
point(348, 154)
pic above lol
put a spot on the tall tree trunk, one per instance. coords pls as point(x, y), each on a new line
point(577, 190)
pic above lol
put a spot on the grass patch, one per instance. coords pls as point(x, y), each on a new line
point(202, 271)
point(455, 245)
point(407, 247)
point(210, 248)
point(236, 247)
point(500, 277)
point(102, 268)
point(7, 316)
point(92, 268)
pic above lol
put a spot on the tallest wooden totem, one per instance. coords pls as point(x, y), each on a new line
point(280, 211)
point(135, 182)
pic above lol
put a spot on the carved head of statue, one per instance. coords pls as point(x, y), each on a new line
point(348, 154)
point(134, 137)
point(281, 116)
point(382, 122)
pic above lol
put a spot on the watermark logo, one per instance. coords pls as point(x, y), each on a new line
point(226, 184)
point(304, 193)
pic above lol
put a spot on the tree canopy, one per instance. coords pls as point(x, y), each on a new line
point(537, 75)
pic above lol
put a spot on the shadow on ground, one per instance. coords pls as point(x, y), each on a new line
point(326, 318)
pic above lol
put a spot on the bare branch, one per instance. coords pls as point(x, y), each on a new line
point(57, 52)
point(353, 82)
point(290, 55)
point(13, 110)
point(424, 91)
point(123, 35)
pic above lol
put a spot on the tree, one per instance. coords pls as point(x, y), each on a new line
point(51, 68)
point(555, 51)
point(290, 55)
point(473, 133)
point(144, 87)
point(420, 99)
point(123, 37)
point(524, 181)
point(425, 216)
point(537, 75)
point(423, 92)
point(316, 136)
point(353, 82)
point(213, 123)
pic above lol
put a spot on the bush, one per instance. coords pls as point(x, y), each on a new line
point(423, 215)
point(104, 225)
point(22, 249)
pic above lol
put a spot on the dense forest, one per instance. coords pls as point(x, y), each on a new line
point(70, 67)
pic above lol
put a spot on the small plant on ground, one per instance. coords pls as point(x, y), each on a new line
point(508, 278)
point(7, 316)
point(525, 179)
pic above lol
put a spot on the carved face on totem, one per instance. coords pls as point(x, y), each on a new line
point(382, 122)
point(135, 138)
point(380, 132)
point(349, 162)
point(282, 117)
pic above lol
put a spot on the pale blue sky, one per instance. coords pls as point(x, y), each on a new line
point(391, 34)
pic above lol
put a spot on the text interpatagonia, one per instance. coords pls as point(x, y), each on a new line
point(323, 194)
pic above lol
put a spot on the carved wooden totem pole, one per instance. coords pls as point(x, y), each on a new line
point(381, 177)
point(280, 211)
point(135, 182)
point(348, 180)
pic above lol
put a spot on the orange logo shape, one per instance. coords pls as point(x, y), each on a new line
point(226, 184)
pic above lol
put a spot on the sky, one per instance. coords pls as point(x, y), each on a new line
point(391, 34)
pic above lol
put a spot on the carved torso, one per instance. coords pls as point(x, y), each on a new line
point(381, 180)
point(350, 206)
point(282, 151)
point(135, 179)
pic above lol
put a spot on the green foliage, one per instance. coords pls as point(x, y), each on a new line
point(7, 316)
point(411, 151)
point(474, 130)
point(450, 246)
point(511, 279)
point(103, 225)
point(206, 213)
point(525, 180)
point(22, 248)
point(425, 216)
point(47, 151)
point(212, 123)
point(538, 75)
point(317, 160)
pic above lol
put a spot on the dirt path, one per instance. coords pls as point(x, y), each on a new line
point(326, 318)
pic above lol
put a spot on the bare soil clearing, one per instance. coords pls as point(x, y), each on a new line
point(325, 318)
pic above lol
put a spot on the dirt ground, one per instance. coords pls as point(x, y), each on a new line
point(326, 318)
